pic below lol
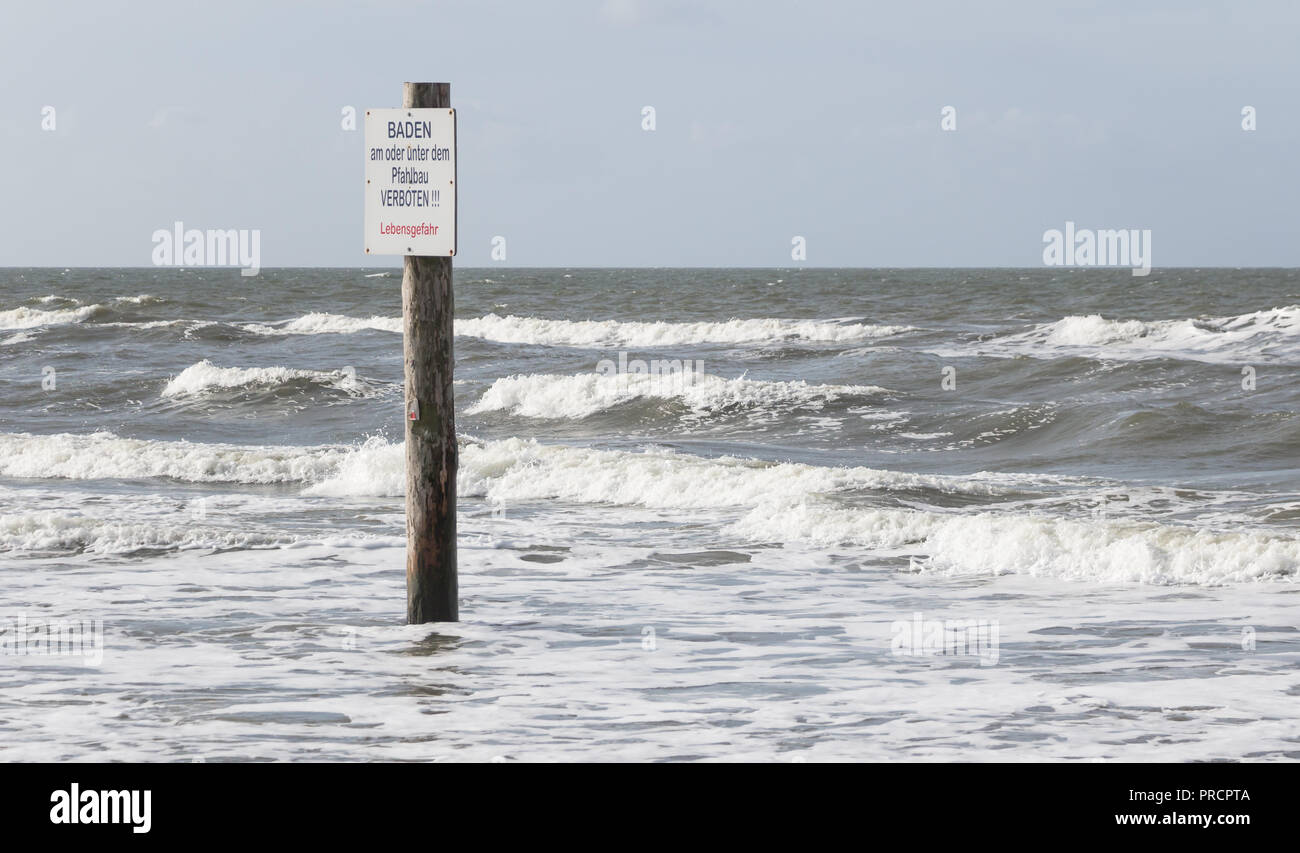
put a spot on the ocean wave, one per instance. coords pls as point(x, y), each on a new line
point(205, 376)
point(523, 469)
point(30, 318)
point(593, 333)
point(318, 323)
point(751, 501)
point(1272, 334)
point(54, 532)
point(988, 543)
point(590, 333)
point(373, 469)
point(159, 324)
point(793, 502)
point(516, 469)
point(102, 455)
point(582, 395)
point(513, 468)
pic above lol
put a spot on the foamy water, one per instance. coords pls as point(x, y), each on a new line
point(205, 376)
point(550, 396)
point(717, 566)
point(1268, 335)
point(31, 318)
point(581, 333)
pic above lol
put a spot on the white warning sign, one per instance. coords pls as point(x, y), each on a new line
point(411, 182)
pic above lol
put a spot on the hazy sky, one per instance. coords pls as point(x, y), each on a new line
point(819, 119)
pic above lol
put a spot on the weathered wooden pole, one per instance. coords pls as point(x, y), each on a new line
point(431, 585)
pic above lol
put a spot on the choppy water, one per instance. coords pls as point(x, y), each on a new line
point(653, 569)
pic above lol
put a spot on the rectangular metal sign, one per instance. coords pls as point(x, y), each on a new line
point(411, 182)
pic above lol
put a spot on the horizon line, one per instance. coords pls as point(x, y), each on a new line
point(1061, 268)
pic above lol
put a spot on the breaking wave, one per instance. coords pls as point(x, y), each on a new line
point(31, 318)
point(205, 376)
point(582, 395)
point(1272, 334)
point(753, 501)
point(591, 333)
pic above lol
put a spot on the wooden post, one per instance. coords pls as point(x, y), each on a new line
point(431, 585)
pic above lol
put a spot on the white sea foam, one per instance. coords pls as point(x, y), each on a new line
point(987, 543)
point(318, 323)
point(524, 470)
point(30, 318)
point(1271, 334)
point(190, 325)
point(590, 333)
point(513, 468)
point(38, 532)
point(517, 469)
point(785, 503)
point(103, 455)
point(373, 469)
point(205, 376)
point(582, 395)
point(751, 501)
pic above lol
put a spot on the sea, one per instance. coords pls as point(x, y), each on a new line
point(773, 515)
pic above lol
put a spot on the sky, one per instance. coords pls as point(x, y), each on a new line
point(820, 120)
